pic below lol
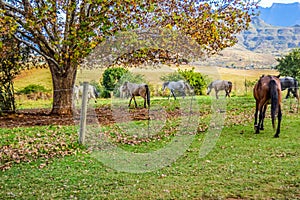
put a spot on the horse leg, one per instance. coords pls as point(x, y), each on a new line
point(172, 91)
point(255, 114)
point(294, 92)
point(263, 117)
point(288, 93)
point(130, 101)
point(144, 102)
point(171, 94)
point(255, 118)
point(217, 94)
point(135, 102)
point(279, 122)
point(227, 93)
point(183, 94)
point(259, 121)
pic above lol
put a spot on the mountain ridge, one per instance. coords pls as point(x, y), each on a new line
point(264, 41)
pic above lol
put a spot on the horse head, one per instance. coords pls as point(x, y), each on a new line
point(164, 85)
point(124, 86)
point(209, 87)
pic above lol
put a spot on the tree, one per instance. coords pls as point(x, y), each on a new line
point(289, 65)
point(111, 76)
point(64, 32)
point(195, 79)
point(12, 57)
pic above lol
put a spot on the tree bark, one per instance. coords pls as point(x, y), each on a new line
point(63, 84)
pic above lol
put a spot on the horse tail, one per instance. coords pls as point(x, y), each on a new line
point(229, 86)
point(274, 100)
point(296, 89)
point(188, 86)
point(148, 95)
point(95, 92)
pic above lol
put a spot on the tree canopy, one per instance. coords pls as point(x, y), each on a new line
point(64, 32)
point(289, 65)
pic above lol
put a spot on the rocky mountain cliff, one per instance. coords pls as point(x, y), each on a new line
point(269, 36)
point(265, 38)
point(258, 46)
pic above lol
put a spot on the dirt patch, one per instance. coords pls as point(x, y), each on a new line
point(105, 116)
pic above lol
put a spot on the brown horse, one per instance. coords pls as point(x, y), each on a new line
point(267, 91)
point(137, 90)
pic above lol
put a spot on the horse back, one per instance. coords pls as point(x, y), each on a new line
point(262, 88)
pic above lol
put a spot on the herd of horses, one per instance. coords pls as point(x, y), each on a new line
point(267, 90)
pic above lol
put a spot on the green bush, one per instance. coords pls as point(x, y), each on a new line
point(111, 77)
point(32, 88)
point(175, 76)
point(195, 79)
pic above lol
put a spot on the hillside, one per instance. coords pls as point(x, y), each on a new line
point(259, 46)
point(265, 38)
point(240, 57)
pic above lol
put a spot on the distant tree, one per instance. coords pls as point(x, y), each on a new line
point(174, 76)
point(65, 32)
point(111, 77)
point(289, 65)
point(195, 79)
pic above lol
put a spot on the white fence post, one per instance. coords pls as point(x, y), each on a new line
point(83, 113)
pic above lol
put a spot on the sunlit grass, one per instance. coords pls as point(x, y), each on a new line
point(241, 165)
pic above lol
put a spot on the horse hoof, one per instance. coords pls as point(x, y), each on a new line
point(256, 129)
point(262, 128)
point(276, 136)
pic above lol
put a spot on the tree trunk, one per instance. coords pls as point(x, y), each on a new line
point(63, 83)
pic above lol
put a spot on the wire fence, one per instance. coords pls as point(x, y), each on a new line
point(44, 100)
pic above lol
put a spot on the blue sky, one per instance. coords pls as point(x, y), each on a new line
point(268, 3)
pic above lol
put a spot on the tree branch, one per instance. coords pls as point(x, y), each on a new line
point(36, 49)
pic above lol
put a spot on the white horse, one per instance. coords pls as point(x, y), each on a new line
point(173, 86)
point(220, 85)
point(137, 90)
point(92, 92)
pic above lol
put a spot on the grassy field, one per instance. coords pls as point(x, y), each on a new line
point(48, 163)
point(237, 76)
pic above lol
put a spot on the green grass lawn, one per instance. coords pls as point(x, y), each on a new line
point(48, 163)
